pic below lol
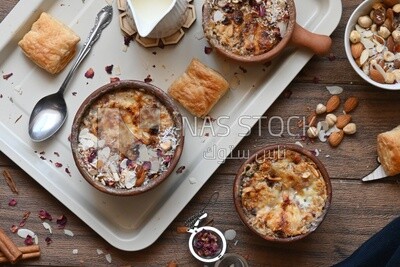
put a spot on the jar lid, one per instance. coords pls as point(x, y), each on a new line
point(207, 244)
point(231, 259)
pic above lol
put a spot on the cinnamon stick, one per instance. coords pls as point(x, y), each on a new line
point(8, 248)
point(29, 252)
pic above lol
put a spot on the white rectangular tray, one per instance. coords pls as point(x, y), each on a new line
point(134, 223)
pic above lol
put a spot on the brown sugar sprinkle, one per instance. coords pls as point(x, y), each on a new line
point(10, 181)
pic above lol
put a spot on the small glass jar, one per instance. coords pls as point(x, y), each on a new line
point(207, 244)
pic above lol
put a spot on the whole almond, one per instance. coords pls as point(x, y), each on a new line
point(336, 138)
point(390, 3)
point(343, 120)
point(350, 104)
point(375, 75)
point(356, 50)
point(332, 104)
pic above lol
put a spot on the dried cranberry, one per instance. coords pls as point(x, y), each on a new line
point(238, 17)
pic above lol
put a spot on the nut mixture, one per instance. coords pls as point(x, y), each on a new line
point(334, 127)
point(247, 27)
point(283, 193)
point(375, 43)
point(127, 138)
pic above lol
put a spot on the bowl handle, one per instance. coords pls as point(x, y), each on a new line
point(319, 44)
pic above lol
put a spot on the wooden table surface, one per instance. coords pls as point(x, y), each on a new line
point(358, 209)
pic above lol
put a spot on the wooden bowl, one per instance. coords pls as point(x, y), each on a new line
point(295, 34)
point(134, 149)
point(279, 195)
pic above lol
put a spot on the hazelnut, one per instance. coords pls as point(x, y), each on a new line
point(355, 37)
point(350, 128)
point(331, 119)
point(388, 56)
point(396, 36)
point(384, 32)
point(320, 109)
point(364, 21)
point(312, 132)
point(390, 78)
point(396, 8)
point(374, 28)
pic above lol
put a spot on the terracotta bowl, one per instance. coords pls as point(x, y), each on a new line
point(275, 196)
point(295, 34)
point(108, 141)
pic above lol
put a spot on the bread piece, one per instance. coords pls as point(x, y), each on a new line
point(199, 88)
point(50, 44)
point(389, 151)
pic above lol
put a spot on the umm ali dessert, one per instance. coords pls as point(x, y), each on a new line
point(246, 27)
point(126, 139)
point(283, 194)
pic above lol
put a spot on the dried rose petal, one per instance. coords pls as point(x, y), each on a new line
point(12, 202)
point(6, 76)
point(44, 215)
point(114, 79)
point(180, 169)
point(58, 164)
point(109, 69)
point(57, 154)
point(14, 228)
point(74, 93)
point(42, 158)
point(89, 73)
point(127, 40)
point(146, 165)
point(208, 50)
point(61, 221)
point(28, 240)
point(148, 79)
point(48, 240)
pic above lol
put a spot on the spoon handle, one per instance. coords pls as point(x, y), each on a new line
point(103, 18)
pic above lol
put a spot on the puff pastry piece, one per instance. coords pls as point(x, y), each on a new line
point(389, 151)
point(199, 88)
point(49, 43)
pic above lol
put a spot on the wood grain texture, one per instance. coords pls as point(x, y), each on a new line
point(358, 210)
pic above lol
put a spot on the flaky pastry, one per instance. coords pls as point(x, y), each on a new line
point(389, 151)
point(49, 43)
point(199, 88)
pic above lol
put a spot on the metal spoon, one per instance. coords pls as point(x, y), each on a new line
point(50, 113)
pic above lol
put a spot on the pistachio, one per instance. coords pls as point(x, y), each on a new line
point(350, 128)
point(364, 21)
point(355, 37)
